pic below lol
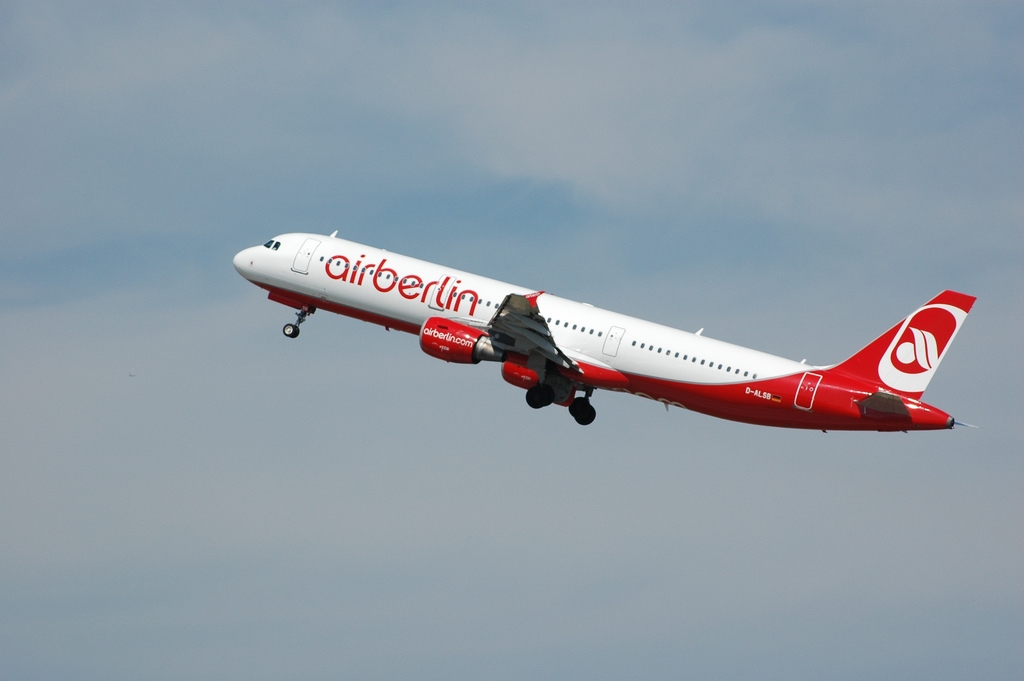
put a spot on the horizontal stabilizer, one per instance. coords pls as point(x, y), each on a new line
point(883, 406)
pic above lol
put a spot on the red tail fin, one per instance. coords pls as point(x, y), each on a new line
point(904, 358)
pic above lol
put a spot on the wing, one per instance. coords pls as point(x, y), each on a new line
point(519, 327)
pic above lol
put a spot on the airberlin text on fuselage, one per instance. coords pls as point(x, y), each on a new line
point(409, 286)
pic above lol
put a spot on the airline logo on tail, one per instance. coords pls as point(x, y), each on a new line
point(918, 347)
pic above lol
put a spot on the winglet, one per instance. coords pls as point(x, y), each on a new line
point(532, 297)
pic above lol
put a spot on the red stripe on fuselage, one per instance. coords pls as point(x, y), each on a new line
point(298, 300)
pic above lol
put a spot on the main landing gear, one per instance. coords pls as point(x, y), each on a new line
point(540, 395)
point(582, 411)
point(543, 395)
point(292, 330)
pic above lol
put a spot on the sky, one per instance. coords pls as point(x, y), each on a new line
point(187, 494)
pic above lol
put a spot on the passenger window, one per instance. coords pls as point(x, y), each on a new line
point(573, 327)
point(634, 343)
point(591, 332)
point(702, 362)
point(744, 373)
point(642, 346)
point(599, 333)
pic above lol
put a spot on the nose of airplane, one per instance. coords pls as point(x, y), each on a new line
point(243, 261)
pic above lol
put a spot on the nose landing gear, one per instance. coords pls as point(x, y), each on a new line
point(292, 330)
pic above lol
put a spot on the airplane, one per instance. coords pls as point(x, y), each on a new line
point(561, 351)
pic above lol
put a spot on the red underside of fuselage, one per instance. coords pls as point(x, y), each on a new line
point(771, 402)
point(299, 301)
point(768, 402)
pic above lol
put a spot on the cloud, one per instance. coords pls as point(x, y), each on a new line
point(792, 121)
point(819, 123)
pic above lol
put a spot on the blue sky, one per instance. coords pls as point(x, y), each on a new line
point(791, 176)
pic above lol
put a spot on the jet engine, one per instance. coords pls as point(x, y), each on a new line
point(519, 376)
point(454, 342)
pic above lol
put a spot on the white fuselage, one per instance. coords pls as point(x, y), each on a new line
point(409, 291)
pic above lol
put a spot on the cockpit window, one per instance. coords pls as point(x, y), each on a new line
point(268, 244)
point(277, 245)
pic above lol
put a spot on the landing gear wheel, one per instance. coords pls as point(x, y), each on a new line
point(540, 396)
point(582, 411)
point(292, 330)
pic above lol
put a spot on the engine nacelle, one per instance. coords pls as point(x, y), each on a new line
point(454, 342)
point(519, 376)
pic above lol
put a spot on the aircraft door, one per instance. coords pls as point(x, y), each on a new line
point(611, 343)
point(440, 292)
point(805, 393)
point(305, 254)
